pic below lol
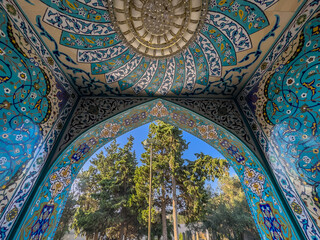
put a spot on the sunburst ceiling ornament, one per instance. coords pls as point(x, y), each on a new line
point(212, 49)
point(158, 28)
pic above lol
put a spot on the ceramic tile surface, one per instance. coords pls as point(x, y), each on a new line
point(32, 102)
point(248, 84)
point(234, 38)
point(268, 212)
point(284, 104)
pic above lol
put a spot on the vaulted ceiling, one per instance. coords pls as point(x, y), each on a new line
point(140, 48)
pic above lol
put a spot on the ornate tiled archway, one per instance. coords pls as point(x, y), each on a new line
point(268, 210)
point(252, 69)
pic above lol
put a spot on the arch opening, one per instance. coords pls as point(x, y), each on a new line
point(270, 216)
point(118, 175)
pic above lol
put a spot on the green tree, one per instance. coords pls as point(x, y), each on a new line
point(176, 181)
point(169, 147)
point(66, 218)
point(107, 187)
point(139, 201)
point(115, 177)
point(191, 181)
point(114, 190)
point(228, 213)
point(86, 219)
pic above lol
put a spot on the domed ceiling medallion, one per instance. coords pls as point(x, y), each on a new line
point(158, 28)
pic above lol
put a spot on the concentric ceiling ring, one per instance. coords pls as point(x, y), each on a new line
point(157, 28)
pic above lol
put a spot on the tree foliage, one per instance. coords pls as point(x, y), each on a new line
point(87, 215)
point(193, 194)
point(105, 207)
point(228, 213)
point(66, 218)
point(173, 173)
point(113, 194)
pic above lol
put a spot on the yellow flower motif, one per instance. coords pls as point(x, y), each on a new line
point(202, 130)
point(56, 188)
point(256, 185)
point(159, 110)
point(208, 132)
point(154, 111)
point(250, 173)
point(212, 135)
point(110, 130)
point(22, 76)
point(115, 128)
point(53, 177)
point(12, 214)
point(164, 111)
point(65, 172)
point(58, 185)
point(59, 180)
point(296, 207)
point(254, 180)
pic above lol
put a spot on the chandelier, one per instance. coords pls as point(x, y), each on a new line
point(157, 28)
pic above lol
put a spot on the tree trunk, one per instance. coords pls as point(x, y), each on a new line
point(174, 208)
point(95, 236)
point(121, 232)
point(126, 231)
point(150, 194)
point(163, 213)
point(207, 234)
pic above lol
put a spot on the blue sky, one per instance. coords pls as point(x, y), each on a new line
point(140, 134)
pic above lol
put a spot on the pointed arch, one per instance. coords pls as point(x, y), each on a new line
point(269, 213)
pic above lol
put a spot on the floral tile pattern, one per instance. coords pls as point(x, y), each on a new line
point(284, 107)
point(52, 52)
point(32, 104)
point(263, 200)
point(85, 43)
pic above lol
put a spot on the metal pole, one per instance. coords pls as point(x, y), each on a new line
point(150, 193)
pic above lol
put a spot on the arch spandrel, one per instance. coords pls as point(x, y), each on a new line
point(282, 101)
point(223, 112)
point(92, 110)
point(269, 214)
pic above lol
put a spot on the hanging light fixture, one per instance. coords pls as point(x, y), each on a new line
point(157, 28)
